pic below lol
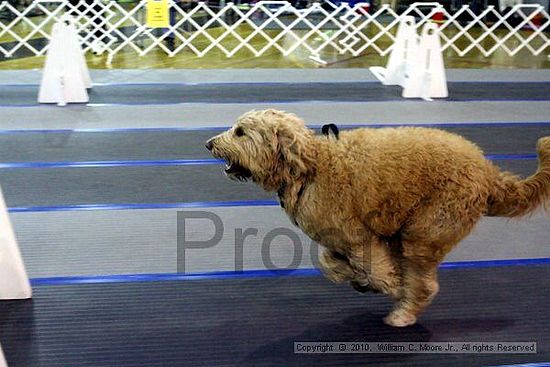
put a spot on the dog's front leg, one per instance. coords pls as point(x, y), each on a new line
point(335, 266)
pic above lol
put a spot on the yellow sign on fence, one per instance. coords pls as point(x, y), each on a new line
point(158, 15)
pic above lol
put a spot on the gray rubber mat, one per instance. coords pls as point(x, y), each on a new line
point(265, 75)
point(166, 145)
point(75, 116)
point(279, 92)
point(59, 186)
point(24, 187)
point(255, 322)
point(84, 243)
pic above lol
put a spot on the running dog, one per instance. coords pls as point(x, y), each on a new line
point(386, 205)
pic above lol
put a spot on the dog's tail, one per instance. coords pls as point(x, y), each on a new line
point(514, 197)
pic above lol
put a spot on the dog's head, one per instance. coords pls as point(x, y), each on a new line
point(270, 147)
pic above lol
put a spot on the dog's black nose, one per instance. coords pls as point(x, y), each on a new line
point(209, 144)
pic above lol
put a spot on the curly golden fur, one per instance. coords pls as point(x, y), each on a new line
point(386, 205)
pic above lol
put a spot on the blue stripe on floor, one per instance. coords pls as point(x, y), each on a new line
point(182, 162)
point(88, 164)
point(287, 102)
point(187, 205)
point(313, 101)
point(130, 278)
point(540, 364)
point(168, 84)
point(313, 126)
point(122, 130)
point(495, 263)
point(146, 84)
point(506, 157)
point(261, 273)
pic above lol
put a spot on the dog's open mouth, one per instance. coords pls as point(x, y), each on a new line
point(235, 171)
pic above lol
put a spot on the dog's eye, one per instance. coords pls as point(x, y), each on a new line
point(239, 131)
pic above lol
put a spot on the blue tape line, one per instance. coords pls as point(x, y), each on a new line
point(187, 205)
point(114, 130)
point(260, 273)
point(443, 124)
point(274, 83)
point(131, 278)
point(313, 126)
point(293, 101)
point(182, 162)
point(537, 364)
point(168, 84)
point(288, 101)
point(504, 157)
point(174, 162)
point(494, 263)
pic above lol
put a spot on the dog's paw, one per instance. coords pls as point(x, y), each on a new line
point(400, 318)
point(359, 287)
point(363, 288)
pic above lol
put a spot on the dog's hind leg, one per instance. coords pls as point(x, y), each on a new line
point(419, 288)
point(424, 246)
point(430, 234)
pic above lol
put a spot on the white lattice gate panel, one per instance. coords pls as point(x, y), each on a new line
point(269, 25)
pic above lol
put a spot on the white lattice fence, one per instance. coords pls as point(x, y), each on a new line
point(267, 25)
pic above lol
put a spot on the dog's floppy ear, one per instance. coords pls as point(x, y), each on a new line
point(295, 148)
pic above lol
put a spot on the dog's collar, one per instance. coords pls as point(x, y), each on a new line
point(282, 191)
point(281, 194)
point(327, 129)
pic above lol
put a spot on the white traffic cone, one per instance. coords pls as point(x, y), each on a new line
point(427, 79)
point(3, 362)
point(62, 79)
point(76, 50)
point(51, 86)
point(14, 283)
point(403, 51)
